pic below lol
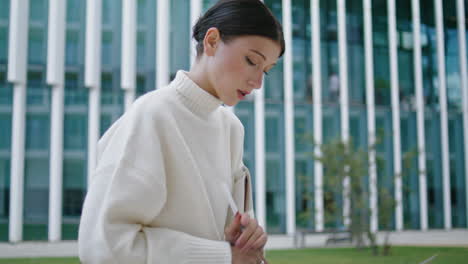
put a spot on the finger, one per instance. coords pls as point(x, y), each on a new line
point(260, 242)
point(245, 219)
point(256, 235)
point(246, 233)
point(234, 229)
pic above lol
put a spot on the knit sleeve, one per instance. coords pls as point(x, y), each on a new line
point(128, 191)
point(242, 182)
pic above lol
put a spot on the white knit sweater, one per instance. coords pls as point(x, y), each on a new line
point(156, 196)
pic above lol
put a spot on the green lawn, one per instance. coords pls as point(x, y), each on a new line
point(400, 255)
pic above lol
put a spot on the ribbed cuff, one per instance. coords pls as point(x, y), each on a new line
point(203, 251)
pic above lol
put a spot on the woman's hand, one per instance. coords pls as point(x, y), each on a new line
point(245, 234)
point(249, 257)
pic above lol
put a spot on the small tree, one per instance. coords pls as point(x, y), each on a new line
point(343, 160)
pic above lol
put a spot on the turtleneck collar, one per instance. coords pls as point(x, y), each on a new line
point(193, 96)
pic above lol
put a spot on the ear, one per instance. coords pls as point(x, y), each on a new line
point(211, 41)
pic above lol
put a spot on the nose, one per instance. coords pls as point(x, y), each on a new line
point(256, 82)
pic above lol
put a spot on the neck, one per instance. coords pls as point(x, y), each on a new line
point(199, 75)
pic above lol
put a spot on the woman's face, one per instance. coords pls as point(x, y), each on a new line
point(237, 67)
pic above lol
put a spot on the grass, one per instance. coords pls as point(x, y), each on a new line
point(399, 255)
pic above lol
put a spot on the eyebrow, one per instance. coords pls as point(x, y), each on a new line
point(259, 53)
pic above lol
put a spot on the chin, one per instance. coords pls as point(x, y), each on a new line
point(230, 103)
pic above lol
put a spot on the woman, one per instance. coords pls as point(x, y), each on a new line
point(157, 194)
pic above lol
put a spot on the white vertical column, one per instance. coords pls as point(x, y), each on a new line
point(260, 181)
point(392, 36)
point(344, 105)
point(17, 63)
point(260, 175)
point(443, 113)
point(93, 78)
point(195, 12)
point(370, 105)
point(463, 82)
point(317, 109)
point(289, 119)
point(163, 26)
point(129, 21)
point(55, 78)
point(418, 84)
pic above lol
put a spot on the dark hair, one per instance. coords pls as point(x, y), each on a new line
point(234, 18)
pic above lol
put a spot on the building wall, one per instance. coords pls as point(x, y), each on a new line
point(278, 196)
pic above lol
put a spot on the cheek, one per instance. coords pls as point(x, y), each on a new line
point(230, 71)
point(231, 64)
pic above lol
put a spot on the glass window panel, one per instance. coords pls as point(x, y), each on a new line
point(300, 135)
point(5, 125)
point(3, 44)
point(275, 174)
point(329, 52)
point(302, 73)
point(434, 171)
point(106, 121)
point(141, 87)
point(304, 194)
point(141, 49)
point(4, 196)
point(75, 126)
point(72, 48)
point(141, 15)
point(6, 91)
point(36, 198)
point(275, 198)
point(75, 94)
point(106, 49)
point(457, 170)
point(410, 167)
point(75, 153)
point(5, 10)
point(451, 55)
point(4, 187)
point(245, 112)
point(272, 136)
point(331, 123)
point(74, 175)
point(354, 34)
point(179, 37)
point(38, 10)
point(111, 99)
point(74, 10)
point(381, 55)
point(37, 126)
point(385, 170)
point(37, 93)
point(273, 82)
point(74, 190)
point(405, 54)
point(429, 55)
point(36, 51)
point(107, 9)
point(208, 4)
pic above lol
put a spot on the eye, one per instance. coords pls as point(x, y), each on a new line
point(265, 72)
point(250, 61)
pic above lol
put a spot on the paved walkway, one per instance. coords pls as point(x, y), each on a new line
point(418, 238)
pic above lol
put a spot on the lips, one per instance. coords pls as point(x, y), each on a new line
point(244, 93)
point(241, 94)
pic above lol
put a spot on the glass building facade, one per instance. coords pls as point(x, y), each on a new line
point(320, 87)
